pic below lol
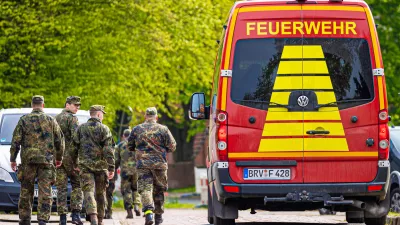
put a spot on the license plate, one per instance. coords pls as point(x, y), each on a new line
point(266, 174)
point(36, 193)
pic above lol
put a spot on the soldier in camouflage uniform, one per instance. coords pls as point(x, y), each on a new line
point(69, 123)
point(126, 159)
point(93, 146)
point(41, 142)
point(151, 143)
point(110, 195)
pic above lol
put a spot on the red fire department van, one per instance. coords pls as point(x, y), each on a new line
point(298, 112)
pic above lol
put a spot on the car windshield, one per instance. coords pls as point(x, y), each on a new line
point(10, 121)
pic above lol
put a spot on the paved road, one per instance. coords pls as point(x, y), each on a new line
point(198, 217)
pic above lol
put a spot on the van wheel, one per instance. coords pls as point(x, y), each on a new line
point(376, 221)
point(219, 221)
point(210, 215)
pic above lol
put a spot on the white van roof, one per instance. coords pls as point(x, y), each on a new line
point(46, 110)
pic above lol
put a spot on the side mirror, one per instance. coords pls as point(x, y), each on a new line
point(197, 108)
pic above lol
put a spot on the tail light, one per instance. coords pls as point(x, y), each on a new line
point(372, 188)
point(222, 136)
point(383, 116)
point(383, 145)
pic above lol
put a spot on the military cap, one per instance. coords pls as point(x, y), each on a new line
point(76, 100)
point(127, 132)
point(94, 108)
point(37, 99)
point(151, 111)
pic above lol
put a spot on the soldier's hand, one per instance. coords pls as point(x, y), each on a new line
point(110, 175)
point(77, 169)
point(14, 166)
point(58, 164)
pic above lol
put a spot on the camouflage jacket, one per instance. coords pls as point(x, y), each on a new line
point(93, 146)
point(125, 159)
point(68, 123)
point(151, 141)
point(38, 136)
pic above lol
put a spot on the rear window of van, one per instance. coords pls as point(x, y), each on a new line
point(256, 64)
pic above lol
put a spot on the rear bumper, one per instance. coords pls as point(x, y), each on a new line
point(9, 196)
point(220, 178)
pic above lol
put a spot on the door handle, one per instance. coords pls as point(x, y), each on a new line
point(312, 132)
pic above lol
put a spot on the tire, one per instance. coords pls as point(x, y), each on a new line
point(210, 214)
point(395, 200)
point(354, 219)
point(376, 221)
point(219, 221)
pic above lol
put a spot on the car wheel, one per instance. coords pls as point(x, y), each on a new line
point(395, 200)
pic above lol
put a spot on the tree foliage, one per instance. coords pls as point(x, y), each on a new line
point(132, 53)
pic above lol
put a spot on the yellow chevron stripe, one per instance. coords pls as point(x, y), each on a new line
point(284, 144)
point(292, 52)
point(315, 67)
point(292, 82)
point(312, 52)
point(325, 144)
point(302, 52)
point(317, 82)
point(299, 129)
point(290, 67)
point(330, 115)
point(300, 82)
point(302, 67)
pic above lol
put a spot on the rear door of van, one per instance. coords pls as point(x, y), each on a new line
point(302, 102)
point(265, 141)
point(340, 73)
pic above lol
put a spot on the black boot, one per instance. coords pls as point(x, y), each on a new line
point(42, 222)
point(130, 214)
point(149, 219)
point(108, 214)
point(24, 222)
point(136, 209)
point(158, 219)
point(76, 218)
point(63, 219)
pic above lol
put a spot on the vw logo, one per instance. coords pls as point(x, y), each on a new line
point(302, 101)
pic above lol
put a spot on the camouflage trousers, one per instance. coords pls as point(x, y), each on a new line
point(129, 190)
point(45, 175)
point(76, 194)
point(109, 194)
point(152, 183)
point(94, 186)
